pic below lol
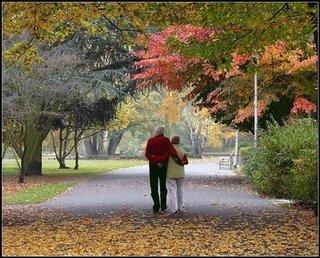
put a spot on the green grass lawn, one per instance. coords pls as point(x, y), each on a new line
point(36, 194)
point(54, 180)
point(86, 167)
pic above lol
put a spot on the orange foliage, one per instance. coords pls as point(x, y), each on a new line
point(247, 112)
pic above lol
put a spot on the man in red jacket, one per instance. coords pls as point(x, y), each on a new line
point(157, 152)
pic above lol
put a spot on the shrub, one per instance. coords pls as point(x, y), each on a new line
point(303, 185)
point(284, 165)
point(245, 144)
point(244, 150)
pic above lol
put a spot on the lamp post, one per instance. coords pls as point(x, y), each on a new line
point(236, 147)
point(255, 60)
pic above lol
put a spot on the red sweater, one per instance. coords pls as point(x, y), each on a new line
point(159, 148)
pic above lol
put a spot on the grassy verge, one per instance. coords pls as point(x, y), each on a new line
point(86, 167)
point(54, 180)
point(36, 194)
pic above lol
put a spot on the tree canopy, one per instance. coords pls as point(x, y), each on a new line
point(246, 27)
point(205, 46)
point(285, 74)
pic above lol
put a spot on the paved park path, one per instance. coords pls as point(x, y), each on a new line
point(111, 215)
point(208, 190)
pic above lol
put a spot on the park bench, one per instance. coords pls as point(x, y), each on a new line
point(226, 162)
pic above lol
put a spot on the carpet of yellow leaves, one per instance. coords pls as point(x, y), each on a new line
point(125, 234)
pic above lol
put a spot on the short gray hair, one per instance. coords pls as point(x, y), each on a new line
point(160, 130)
point(175, 139)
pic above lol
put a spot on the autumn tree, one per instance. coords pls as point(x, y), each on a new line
point(196, 56)
point(206, 46)
point(194, 125)
point(60, 94)
point(92, 26)
point(115, 129)
point(142, 114)
point(110, 63)
point(242, 27)
point(285, 74)
point(32, 99)
point(95, 52)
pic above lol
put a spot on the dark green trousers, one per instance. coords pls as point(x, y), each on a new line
point(158, 175)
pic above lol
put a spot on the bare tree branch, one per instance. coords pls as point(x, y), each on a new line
point(78, 139)
point(117, 64)
point(54, 146)
point(279, 11)
point(87, 136)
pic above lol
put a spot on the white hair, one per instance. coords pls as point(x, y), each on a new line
point(160, 130)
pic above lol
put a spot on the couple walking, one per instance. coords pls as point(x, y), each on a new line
point(166, 165)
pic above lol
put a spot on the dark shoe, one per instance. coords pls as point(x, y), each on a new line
point(155, 210)
point(164, 208)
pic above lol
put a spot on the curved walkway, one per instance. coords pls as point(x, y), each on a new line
point(111, 215)
point(207, 191)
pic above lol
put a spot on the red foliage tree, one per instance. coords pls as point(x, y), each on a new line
point(303, 105)
point(162, 65)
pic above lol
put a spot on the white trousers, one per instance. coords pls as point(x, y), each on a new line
point(175, 193)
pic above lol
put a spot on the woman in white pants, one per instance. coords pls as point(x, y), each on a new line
point(175, 176)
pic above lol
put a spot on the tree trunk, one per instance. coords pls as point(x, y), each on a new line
point(62, 150)
point(230, 142)
point(62, 163)
point(4, 150)
point(61, 159)
point(31, 162)
point(91, 149)
point(100, 142)
point(76, 153)
point(105, 140)
point(60, 146)
point(17, 150)
point(114, 142)
point(224, 143)
point(76, 139)
point(95, 144)
point(198, 147)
